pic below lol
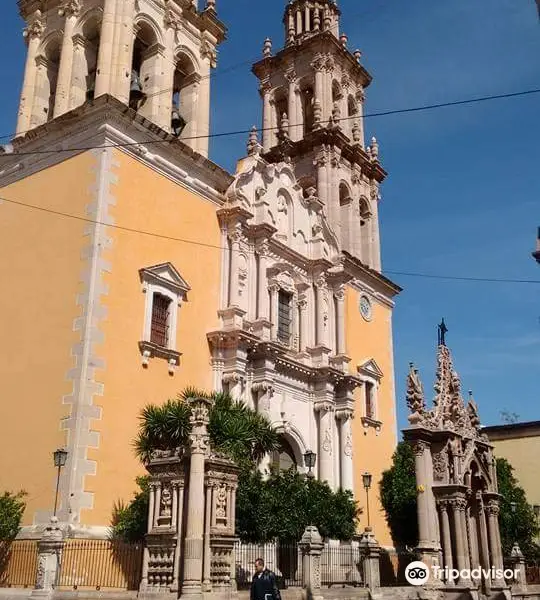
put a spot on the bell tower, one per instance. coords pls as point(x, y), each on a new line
point(313, 101)
point(156, 56)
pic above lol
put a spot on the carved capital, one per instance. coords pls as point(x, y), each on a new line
point(339, 293)
point(70, 8)
point(419, 447)
point(323, 406)
point(35, 29)
point(209, 52)
point(318, 62)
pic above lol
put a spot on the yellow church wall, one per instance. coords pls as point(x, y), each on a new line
point(372, 452)
point(145, 200)
point(38, 306)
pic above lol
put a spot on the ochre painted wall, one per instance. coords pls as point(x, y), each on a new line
point(37, 312)
point(522, 454)
point(371, 452)
point(148, 201)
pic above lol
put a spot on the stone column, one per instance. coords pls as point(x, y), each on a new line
point(484, 543)
point(340, 320)
point(321, 317)
point(421, 448)
point(125, 51)
point(71, 11)
point(319, 84)
point(473, 537)
point(103, 74)
point(494, 539)
point(193, 544)
point(207, 583)
point(274, 289)
point(77, 92)
point(326, 442)
point(267, 116)
point(517, 563)
point(375, 243)
point(50, 548)
point(303, 323)
point(33, 35)
point(458, 506)
point(446, 539)
point(311, 546)
point(346, 450)
point(321, 177)
point(294, 128)
point(263, 310)
point(178, 550)
point(202, 114)
point(235, 236)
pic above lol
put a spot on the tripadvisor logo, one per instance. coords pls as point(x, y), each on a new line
point(417, 573)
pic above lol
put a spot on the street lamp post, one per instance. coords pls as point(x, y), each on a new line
point(60, 458)
point(309, 460)
point(513, 507)
point(366, 480)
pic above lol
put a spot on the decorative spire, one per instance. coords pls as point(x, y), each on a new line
point(336, 115)
point(344, 40)
point(415, 396)
point(357, 133)
point(357, 55)
point(267, 48)
point(253, 146)
point(374, 150)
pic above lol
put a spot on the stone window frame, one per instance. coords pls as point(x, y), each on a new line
point(173, 287)
point(370, 373)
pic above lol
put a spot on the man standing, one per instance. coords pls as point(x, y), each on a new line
point(264, 584)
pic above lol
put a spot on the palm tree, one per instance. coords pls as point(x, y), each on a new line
point(235, 429)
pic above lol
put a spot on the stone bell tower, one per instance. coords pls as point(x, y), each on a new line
point(155, 56)
point(313, 100)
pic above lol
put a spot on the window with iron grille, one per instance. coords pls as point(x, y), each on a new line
point(160, 320)
point(284, 317)
point(370, 400)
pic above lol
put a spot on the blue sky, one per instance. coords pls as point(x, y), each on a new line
point(463, 192)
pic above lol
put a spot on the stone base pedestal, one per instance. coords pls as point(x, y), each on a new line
point(232, 318)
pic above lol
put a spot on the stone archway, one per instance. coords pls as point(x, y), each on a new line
point(285, 458)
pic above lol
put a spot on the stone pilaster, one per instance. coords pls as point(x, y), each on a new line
point(103, 75)
point(311, 546)
point(448, 560)
point(50, 548)
point(326, 441)
point(346, 450)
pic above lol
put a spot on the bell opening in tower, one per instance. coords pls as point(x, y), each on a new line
point(184, 100)
point(144, 66)
point(48, 63)
point(307, 108)
point(91, 35)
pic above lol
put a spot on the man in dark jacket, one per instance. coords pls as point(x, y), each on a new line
point(264, 584)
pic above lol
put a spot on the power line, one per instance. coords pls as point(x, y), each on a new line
point(216, 247)
point(424, 107)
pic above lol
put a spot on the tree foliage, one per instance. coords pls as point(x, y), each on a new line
point(281, 507)
point(398, 497)
point(234, 429)
point(130, 521)
point(12, 508)
point(517, 520)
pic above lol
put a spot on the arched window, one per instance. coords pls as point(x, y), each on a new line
point(307, 108)
point(346, 216)
point(281, 104)
point(144, 71)
point(184, 100)
point(48, 63)
point(352, 106)
point(365, 231)
point(85, 58)
point(283, 459)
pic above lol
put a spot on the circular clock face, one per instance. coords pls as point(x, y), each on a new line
point(365, 308)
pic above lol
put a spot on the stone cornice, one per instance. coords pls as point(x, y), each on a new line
point(381, 284)
point(105, 122)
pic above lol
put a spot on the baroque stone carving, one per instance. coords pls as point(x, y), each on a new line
point(70, 8)
point(327, 443)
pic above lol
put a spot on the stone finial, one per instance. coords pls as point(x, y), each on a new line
point(357, 55)
point(336, 114)
point(211, 5)
point(317, 21)
point(344, 39)
point(267, 48)
point(253, 146)
point(284, 125)
point(368, 152)
point(374, 149)
point(327, 19)
point(357, 133)
point(516, 551)
point(415, 395)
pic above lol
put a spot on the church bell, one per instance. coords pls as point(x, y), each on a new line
point(135, 91)
point(177, 123)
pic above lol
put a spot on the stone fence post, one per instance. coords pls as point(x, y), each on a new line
point(370, 552)
point(50, 548)
point(311, 546)
point(517, 563)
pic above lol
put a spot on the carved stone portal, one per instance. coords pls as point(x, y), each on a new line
point(458, 500)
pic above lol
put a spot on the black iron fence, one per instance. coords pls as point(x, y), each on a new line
point(341, 565)
point(100, 564)
point(18, 562)
point(532, 572)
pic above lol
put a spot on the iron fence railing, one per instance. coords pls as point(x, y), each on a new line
point(341, 565)
point(284, 560)
point(100, 564)
point(532, 572)
point(18, 563)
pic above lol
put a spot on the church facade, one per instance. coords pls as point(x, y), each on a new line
point(158, 270)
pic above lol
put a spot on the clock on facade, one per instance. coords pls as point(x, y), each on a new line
point(365, 308)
